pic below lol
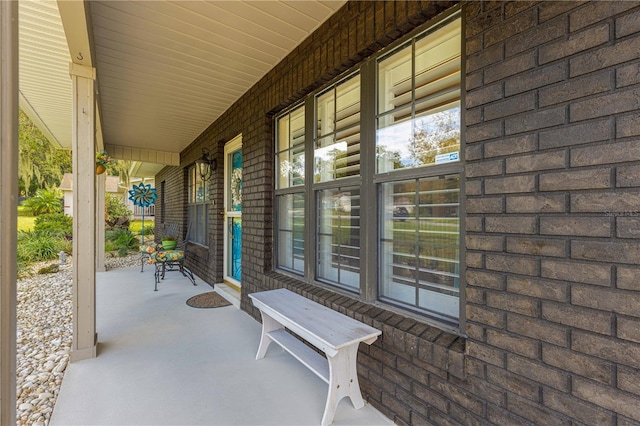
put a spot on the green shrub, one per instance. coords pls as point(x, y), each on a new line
point(117, 212)
point(122, 240)
point(55, 223)
point(36, 246)
point(45, 201)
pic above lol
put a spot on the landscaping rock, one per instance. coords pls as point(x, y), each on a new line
point(44, 335)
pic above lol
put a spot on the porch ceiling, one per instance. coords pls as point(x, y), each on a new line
point(165, 70)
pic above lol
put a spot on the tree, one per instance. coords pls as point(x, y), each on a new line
point(440, 134)
point(121, 169)
point(116, 212)
point(40, 165)
point(46, 201)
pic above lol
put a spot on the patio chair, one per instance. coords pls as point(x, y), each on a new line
point(146, 250)
point(171, 260)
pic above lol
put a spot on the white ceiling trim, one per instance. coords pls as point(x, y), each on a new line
point(165, 69)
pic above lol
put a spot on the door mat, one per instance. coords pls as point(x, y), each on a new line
point(208, 300)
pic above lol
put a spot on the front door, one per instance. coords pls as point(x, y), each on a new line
point(233, 213)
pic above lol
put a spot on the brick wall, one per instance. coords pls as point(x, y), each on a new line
point(552, 209)
point(553, 166)
point(175, 197)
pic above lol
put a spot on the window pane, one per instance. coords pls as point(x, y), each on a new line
point(198, 207)
point(290, 149)
point(394, 81)
point(419, 245)
point(291, 232)
point(337, 144)
point(419, 113)
point(339, 237)
point(235, 181)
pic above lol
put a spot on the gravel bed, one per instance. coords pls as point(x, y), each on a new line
point(44, 334)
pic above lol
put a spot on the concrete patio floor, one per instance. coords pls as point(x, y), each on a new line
point(162, 362)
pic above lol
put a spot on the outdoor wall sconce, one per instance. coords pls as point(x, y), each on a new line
point(206, 165)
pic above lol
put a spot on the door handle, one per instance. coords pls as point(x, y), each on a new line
point(224, 214)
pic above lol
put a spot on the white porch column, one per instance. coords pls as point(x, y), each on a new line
point(84, 212)
point(100, 190)
point(8, 204)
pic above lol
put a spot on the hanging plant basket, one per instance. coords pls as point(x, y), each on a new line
point(102, 161)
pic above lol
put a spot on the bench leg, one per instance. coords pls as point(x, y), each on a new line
point(343, 382)
point(268, 324)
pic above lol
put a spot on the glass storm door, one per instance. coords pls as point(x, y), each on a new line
point(233, 212)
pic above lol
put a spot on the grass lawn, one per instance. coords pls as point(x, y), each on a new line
point(135, 226)
point(26, 220)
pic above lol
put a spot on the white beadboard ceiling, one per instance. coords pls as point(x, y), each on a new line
point(165, 69)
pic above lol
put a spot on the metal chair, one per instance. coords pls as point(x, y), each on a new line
point(147, 249)
point(171, 260)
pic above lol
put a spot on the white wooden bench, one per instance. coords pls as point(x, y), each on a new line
point(335, 334)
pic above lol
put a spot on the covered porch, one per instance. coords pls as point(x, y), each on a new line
point(161, 361)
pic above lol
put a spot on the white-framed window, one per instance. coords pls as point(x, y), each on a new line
point(199, 196)
point(376, 211)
